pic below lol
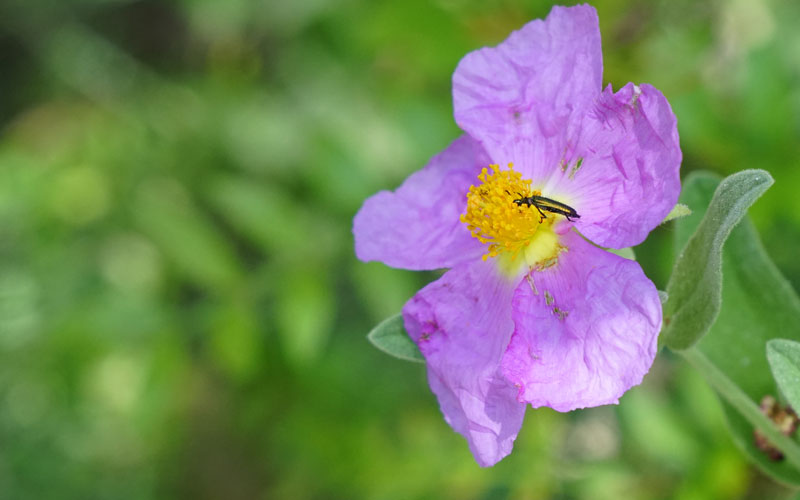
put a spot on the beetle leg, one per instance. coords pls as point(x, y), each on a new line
point(542, 216)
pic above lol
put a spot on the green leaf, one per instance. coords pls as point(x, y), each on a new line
point(305, 311)
point(695, 286)
point(743, 415)
point(625, 253)
point(742, 433)
point(268, 217)
point(233, 339)
point(758, 304)
point(190, 240)
point(262, 213)
point(784, 359)
point(678, 211)
point(390, 337)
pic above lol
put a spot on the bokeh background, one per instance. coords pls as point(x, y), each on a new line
point(181, 312)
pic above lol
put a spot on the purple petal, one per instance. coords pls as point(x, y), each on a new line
point(587, 334)
point(462, 324)
point(417, 226)
point(517, 98)
point(629, 179)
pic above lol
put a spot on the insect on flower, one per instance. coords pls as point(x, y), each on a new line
point(548, 205)
point(533, 311)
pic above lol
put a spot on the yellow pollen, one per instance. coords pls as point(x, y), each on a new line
point(492, 216)
point(508, 228)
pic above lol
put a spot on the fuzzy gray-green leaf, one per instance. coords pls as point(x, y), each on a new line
point(758, 305)
point(784, 360)
point(695, 287)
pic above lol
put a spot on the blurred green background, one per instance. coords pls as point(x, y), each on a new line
point(181, 312)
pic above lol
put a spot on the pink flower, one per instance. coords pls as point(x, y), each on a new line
point(530, 311)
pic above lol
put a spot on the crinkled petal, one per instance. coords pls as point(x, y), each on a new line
point(417, 226)
point(587, 333)
point(628, 179)
point(517, 98)
point(462, 324)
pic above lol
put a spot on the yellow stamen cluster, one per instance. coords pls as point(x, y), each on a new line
point(492, 216)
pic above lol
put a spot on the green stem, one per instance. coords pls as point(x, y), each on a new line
point(742, 402)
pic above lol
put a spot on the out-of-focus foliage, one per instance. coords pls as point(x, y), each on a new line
point(181, 313)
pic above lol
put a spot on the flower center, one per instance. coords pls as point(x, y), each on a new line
point(504, 212)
